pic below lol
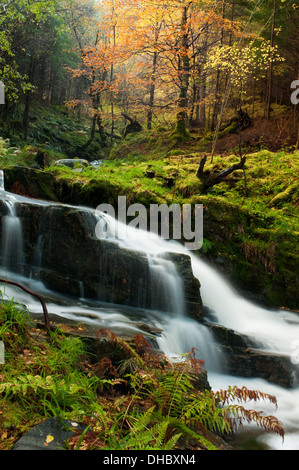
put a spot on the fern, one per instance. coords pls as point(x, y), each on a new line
point(236, 413)
point(144, 435)
point(202, 409)
point(28, 383)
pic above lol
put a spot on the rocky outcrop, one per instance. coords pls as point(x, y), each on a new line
point(261, 260)
point(61, 249)
point(191, 285)
point(244, 359)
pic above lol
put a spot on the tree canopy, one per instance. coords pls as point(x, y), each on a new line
point(180, 62)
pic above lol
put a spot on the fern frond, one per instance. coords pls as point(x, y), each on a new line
point(268, 423)
point(242, 395)
point(113, 338)
point(189, 433)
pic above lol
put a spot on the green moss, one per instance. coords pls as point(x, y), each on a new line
point(290, 193)
point(30, 182)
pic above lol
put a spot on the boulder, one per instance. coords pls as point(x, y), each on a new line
point(191, 285)
point(73, 163)
point(49, 435)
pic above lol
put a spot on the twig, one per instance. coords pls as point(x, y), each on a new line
point(46, 315)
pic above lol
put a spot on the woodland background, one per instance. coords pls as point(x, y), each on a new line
point(184, 64)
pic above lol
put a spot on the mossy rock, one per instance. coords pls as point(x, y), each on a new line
point(30, 182)
point(291, 193)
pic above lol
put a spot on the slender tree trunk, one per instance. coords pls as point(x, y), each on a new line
point(111, 80)
point(28, 98)
point(270, 84)
point(152, 91)
point(216, 102)
point(184, 75)
point(217, 95)
point(203, 80)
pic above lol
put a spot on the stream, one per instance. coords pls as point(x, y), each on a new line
point(273, 330)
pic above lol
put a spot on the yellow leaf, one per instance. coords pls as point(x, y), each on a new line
point(49, 439)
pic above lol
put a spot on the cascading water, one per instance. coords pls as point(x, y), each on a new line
point(274, 330)
point(1, 180)
point(180, 333)
point(12, 251)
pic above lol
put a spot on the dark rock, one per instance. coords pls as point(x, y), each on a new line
point(62, 250)
point(36, 438)
point(30, 182)
point(191, 285)
point(244, 359)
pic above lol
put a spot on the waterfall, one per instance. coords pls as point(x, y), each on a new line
point(180, 333)
point(273, 330)
point(2, 180)
point(13, 258)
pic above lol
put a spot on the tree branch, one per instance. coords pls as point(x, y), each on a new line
point(209, 179)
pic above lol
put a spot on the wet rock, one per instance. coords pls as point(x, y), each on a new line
point(244, 359)
point(191, 285)
point(49, 435)
point(72, 163)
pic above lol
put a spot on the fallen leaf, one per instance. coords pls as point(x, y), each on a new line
point(49, 439)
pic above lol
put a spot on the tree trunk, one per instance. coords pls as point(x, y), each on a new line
point(184, 74)
point(271, 66)
point(152, 92)
point(210, 179)
point(217, 94)
point(28, 97)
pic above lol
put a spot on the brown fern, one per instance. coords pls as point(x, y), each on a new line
point(115, 339)
point(105, 367)
point(268, 423)
point(236, 413)
point(243, 394)
point(141, 344)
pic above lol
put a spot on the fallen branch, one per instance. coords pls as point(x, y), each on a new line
point(45, 310)
point(209, 179)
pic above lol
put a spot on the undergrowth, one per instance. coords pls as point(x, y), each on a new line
point(140, 402)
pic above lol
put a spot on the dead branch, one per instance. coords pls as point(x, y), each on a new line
point(210, 179)
point(45, 310)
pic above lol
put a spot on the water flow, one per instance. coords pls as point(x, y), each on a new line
point(273, 330)
point(13, 258)
point(180, 333)
point(2, 180)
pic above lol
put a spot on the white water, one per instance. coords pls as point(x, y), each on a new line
point(12, 239)
point(273, 330)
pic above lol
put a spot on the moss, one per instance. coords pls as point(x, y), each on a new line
point(30, 182)
point(289, 193)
